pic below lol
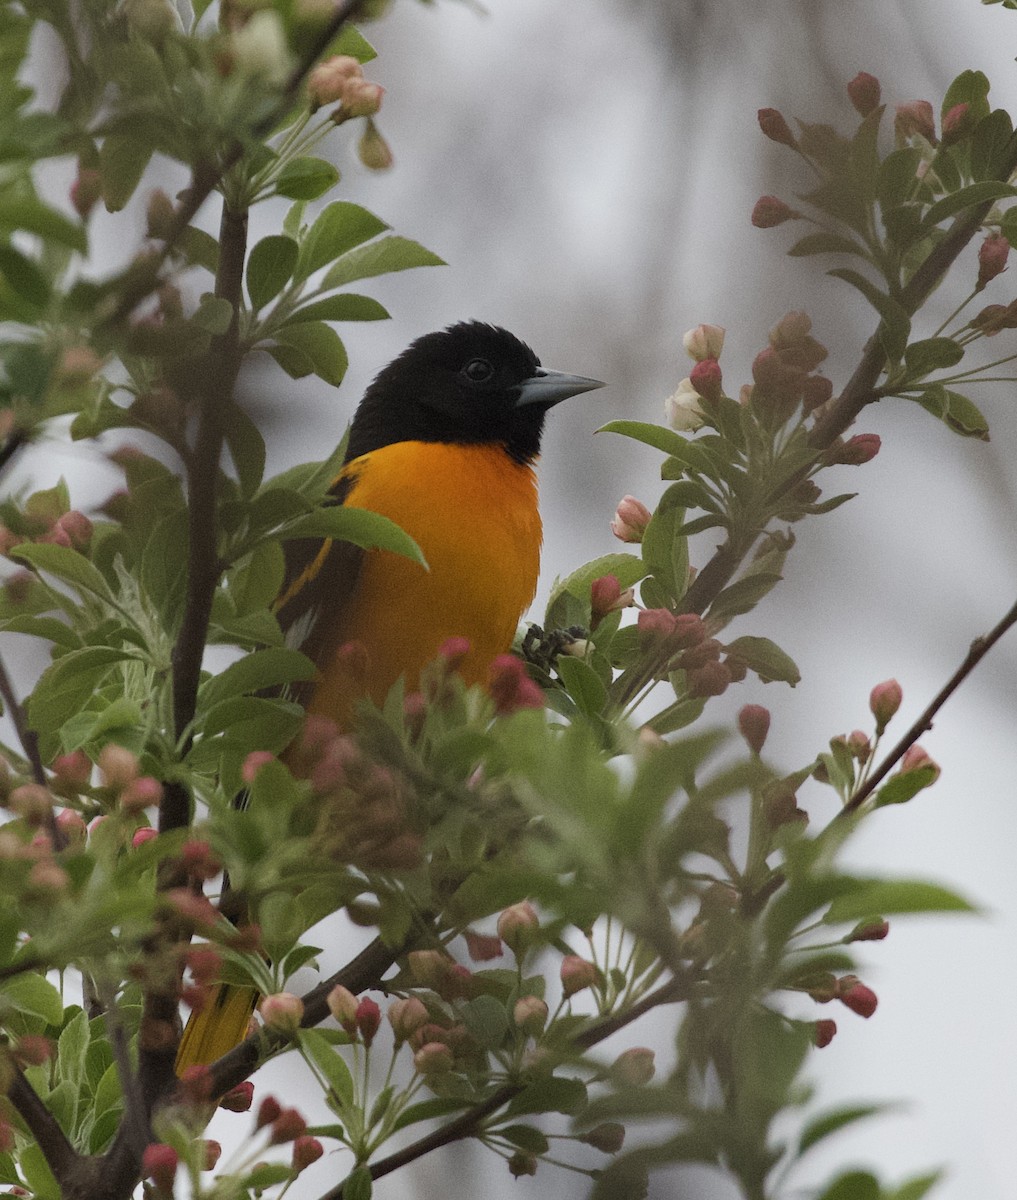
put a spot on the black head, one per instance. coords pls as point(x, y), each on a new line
point(471, 383)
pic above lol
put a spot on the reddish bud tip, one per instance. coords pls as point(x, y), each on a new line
point(754, 725)
point(511, 688)
point(518, 925)
point(159, 1163)
point(770, 211)
point(253, 764)
point(268, 1112)
point(869, 931)
point(238, 1099)
point(368, 1018)
point(630, 520)
point(884, 701)
point(915, 119)
point(287, 1127)
point(306, 1150)
point(864, 93)
point(992, 256)
point(824, 1032)
point(482, 947)
point(773, 125)
point(576, 974)
point(856, 996)
point(706, 377)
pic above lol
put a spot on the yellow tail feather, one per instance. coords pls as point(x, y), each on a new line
point(221, 1025)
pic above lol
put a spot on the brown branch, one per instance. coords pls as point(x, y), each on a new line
point(29, 742)
point(468, 1124)
point(976, 652)
point(61, 1157)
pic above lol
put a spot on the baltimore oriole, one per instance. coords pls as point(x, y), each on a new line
point(443, 443)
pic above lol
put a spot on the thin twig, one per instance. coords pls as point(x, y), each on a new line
point(976, 652)
point(135, 1120)
point(29, 742)
point(61, 1157)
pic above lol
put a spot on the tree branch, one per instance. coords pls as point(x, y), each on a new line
point(976, 652)
point(61, 1157)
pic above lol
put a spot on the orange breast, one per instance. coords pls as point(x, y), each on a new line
point(473, 512)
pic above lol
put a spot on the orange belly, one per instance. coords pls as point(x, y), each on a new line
point(473, 512)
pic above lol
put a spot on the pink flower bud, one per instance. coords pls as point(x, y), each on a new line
point(328, 80)
point(606, 596)
point(482, 947)
point(705, 341)
point(282, 1012)
point(433, 1058)
point(770, 211)
point(711, 679)
point(139, 794)
point(32, 802)
point(368, 1018)
point(253, 764)
point(238, 1099)
point(816, 391)
point(360, 99)
point(306, 1150)
point(72, 825)
point(32, 1050)
point(198, 859)
point(428, 967)
point(633, 1068)
point(73, 770)
point(917, 759)
point(454, 650)
point(824, 1032)
point(518, 926)
point(511, 688)
point(754, 725)
point(707, 379)
point(861, 448)
point(884, 701)
point(630, 519)
point(915, 120)
point(992, 256)
point(287, 1127)
point(868, 931)
point(204, 963)
point(859, 745)
point(576, 974)
point(159, 1163)
point(213, 1152)
point(342, 1004)
point(118, 766)
point(196, 910)
point(406, 1017)
point(773, 125)
point(856, 996)
point(956, 123)
point(530, 1015)
point(143, 835)
point(654, 625)
point(268, 1112)
point(864, 93)
point(85, 190)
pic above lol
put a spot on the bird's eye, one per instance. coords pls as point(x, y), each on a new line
point(478, 370)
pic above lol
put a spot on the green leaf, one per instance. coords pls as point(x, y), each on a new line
point(743, 595)
point(651, 435)
point(338, 228)
point(306, 178)
point(269, 268)
point(964, 417)
point(917, 1187)
point(67, 684)
point(266, 1175)
point(526, 1137)
point(853, 1185)
point(626, 568)
point(347, 306)
point(34, 994)
point(428, 1110)
point(319, 345)
point(583, 684)
point(122, 162)
point(893, 896)
point(67, 565)
point(383, 257)
point(832, 1122)
point(896, 324)
point(991, 145)
point(487, 1021)
point(931, 354)
point(24, 277)
point(970, 88)
point(37, 1174)
point(665, 549)
point(553, 1094)
point(260, 669)
point(31, 215)
point(766, 659)
point(369, 530)
point(213, 314)
point(200, 248)
point(358, 1185)
point(968, 197)
point(826, 243)
point(904, 786)
point(329, 1063)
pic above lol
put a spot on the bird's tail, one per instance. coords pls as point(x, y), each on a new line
point(220, 1025)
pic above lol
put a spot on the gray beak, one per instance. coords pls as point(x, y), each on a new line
point(547, 388)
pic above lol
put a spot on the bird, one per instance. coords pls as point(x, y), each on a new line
point(444, 443)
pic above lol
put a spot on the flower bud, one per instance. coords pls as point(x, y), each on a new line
point(482, 947)
point(372, 149)
point(282, 1012)
point(707, 379)
point(118, 766)
point(143, 835)
point(522, 1163)
point(406, 1017)
point(915, 120)
point(530, 1015)
point(861, 448)
point(72, 825)
point(606, 596)
point(287, 1127)
point(454, 651)
point(306, 1150)
point(327, 81)
point(32, 1050)
point(816, 391)
point(433, 1058)
point(856, 996)
point(633, 1068)
point(368, 1017)
point(428, 967)
point(144, 792)
point(917, 759)
point(957, 123)
point(342, 1004)
point(238, 1099)
point(711, 679)
point(770, 211)
point(85, 190)
point(259, 48)
point(73, 772)
point(868, 931)
point(268, 1111)
point(518, 926)
point(361, 99)
point(754, 725)
point(213, 1152)
point(705, 341)
point(864, 93)
point(159, 1163)
point(654, 626)
point(630, 519)
point(773, 125)
point(608, 1137)
point(253, 764)
point(884, 701)
point(824, 1032)
point(576, 974)
point(511, 688)
point(859, 745)
point(197, 858)
point(992, 256)
point(683, 410)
